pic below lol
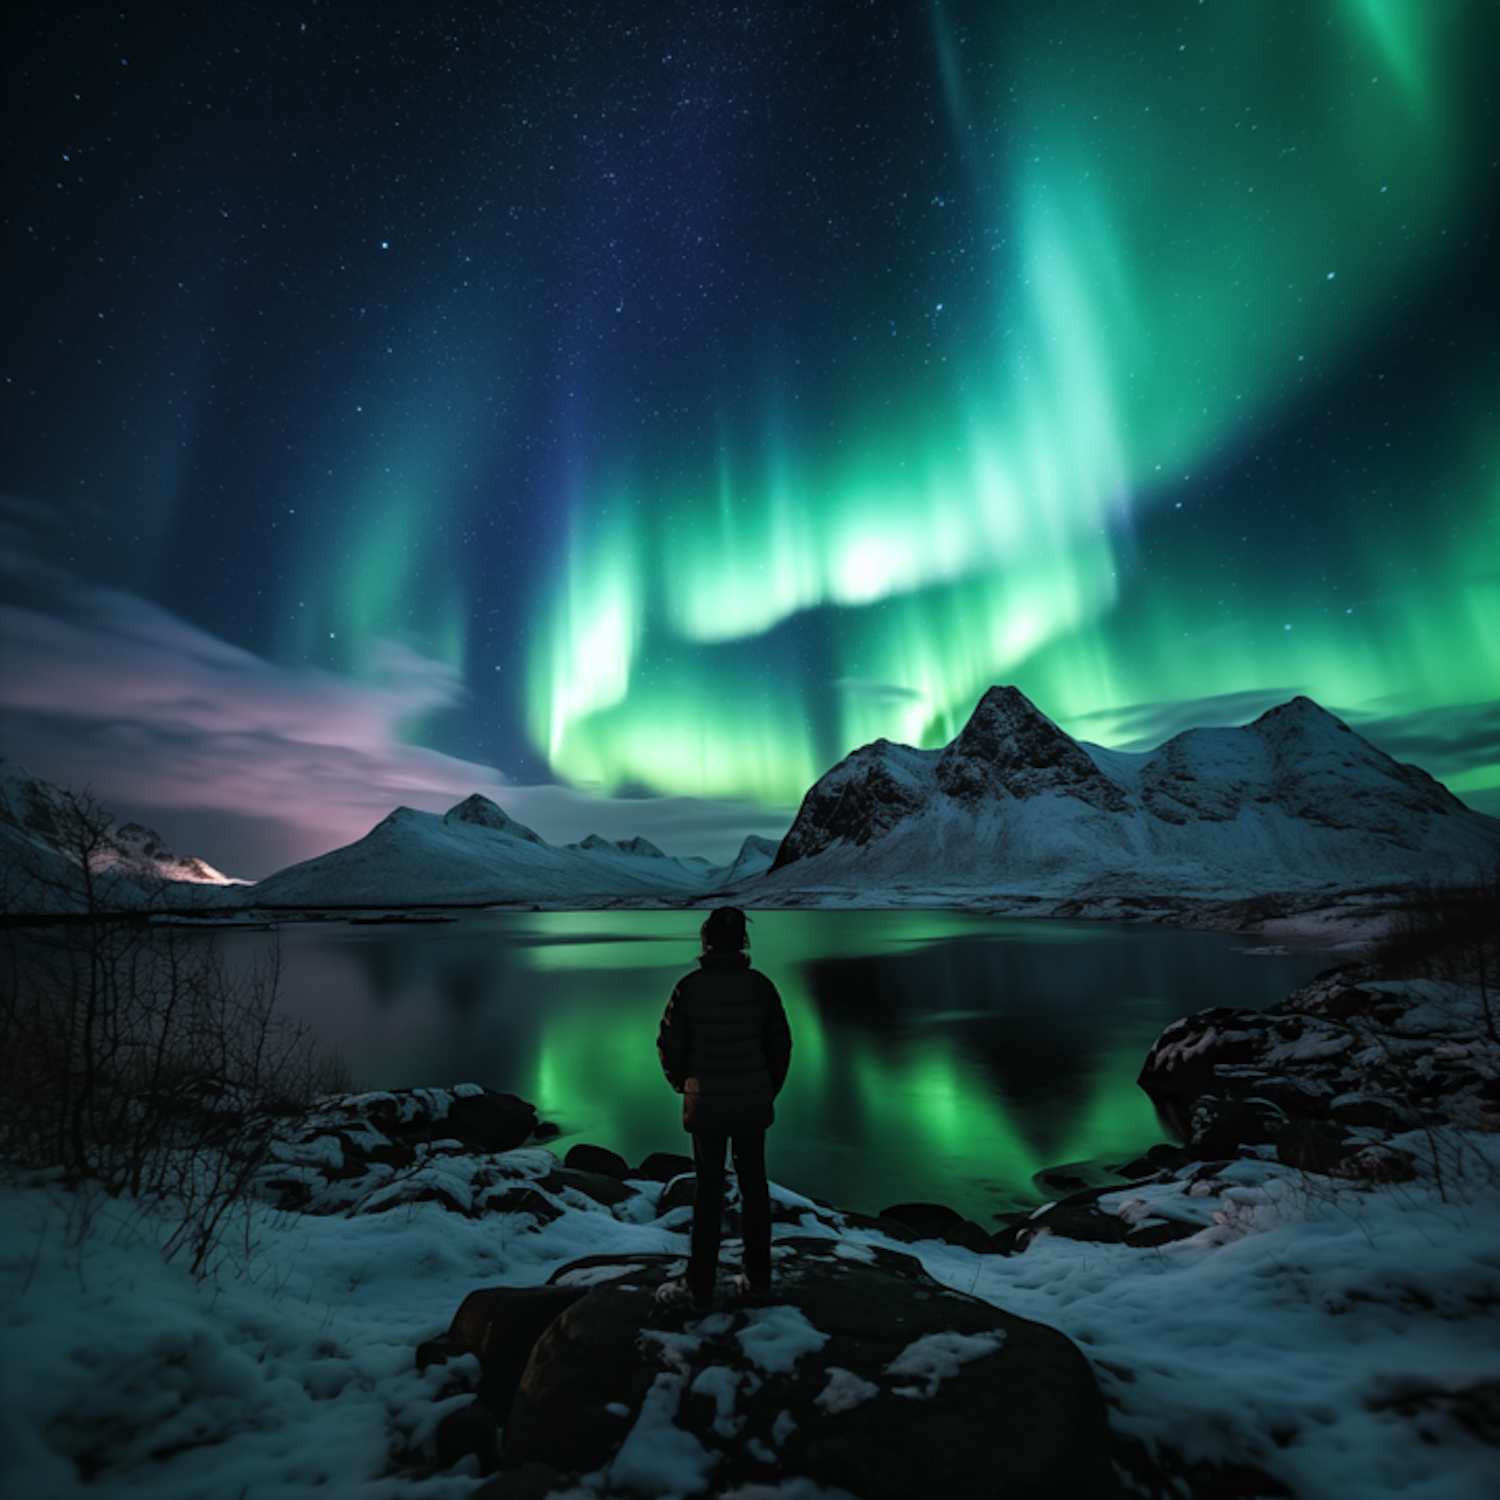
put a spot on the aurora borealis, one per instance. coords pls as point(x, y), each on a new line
point(661, 400)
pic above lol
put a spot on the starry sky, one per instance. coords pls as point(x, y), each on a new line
point(626, 409)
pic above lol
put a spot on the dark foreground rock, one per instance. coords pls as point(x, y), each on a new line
point(1344, 1077)
point(347, 1147)
point(858, 1373)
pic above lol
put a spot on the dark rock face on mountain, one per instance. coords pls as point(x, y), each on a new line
point(755, 858)
point(858, 1373)
point(32, 807)
point(482, 813)
point(1295, 802)
point(1008, 748)
point(642, 848)
point(144, 849)
point(869, 793)
point(637, 848)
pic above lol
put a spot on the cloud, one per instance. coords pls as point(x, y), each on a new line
point(878, 692)
point(1444, 740)
point(1144, 726)
point(1459, 743)
point(103, 688)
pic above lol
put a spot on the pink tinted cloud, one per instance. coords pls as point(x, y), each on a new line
point(102, 687)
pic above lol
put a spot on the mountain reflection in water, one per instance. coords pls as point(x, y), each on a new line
point(938, 1056)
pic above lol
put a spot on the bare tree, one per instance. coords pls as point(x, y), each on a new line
point(134, 1059)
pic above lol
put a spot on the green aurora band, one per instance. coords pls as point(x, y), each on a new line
point(1186, 245)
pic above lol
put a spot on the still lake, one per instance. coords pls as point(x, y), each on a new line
point(938, 1056)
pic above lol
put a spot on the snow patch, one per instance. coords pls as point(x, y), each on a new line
point(936, 1356)
point(775, 1338)
point(845, 1390)
point(657, 1457)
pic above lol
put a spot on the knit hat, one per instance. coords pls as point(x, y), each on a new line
point(725, 928)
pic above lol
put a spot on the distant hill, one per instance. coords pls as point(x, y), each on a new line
point(476, 853)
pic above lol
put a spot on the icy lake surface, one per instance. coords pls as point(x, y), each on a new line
point(937, 1056)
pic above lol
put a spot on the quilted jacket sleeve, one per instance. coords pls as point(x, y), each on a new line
point(777, 1041)
point(672, 1041)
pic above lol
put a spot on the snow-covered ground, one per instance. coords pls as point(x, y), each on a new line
point(1342, 1341)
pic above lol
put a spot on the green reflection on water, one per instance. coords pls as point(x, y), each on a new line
point(1114, 1115)
point(914, 1116)
point(937, 1056)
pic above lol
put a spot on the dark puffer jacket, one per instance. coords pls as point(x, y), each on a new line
point(725, 1046)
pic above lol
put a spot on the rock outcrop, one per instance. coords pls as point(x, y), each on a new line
point(858, 1373)
point(375, 1150)
point(1345, 1076)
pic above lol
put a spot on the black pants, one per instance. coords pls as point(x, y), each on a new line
point(708, 1207)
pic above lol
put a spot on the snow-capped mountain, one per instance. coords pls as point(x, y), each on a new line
point(477, 853)
point(1294, 802)
point(141, 847)
point(44, 834)
point(1013, 814)
point(755, 858)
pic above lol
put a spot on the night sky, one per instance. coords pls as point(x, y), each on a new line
point(627, 409)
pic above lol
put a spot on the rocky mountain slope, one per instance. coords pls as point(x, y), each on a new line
point(43, 833)
point(1294, 802)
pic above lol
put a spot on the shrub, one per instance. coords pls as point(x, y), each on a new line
point(1452, 933)
point(133, 1058)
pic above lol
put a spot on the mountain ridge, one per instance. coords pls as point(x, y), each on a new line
point(1294, 800)
point(1012, 814)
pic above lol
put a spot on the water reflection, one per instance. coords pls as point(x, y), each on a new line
point(937, 1055)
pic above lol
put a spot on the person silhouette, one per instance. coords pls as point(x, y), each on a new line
point(725, 1046)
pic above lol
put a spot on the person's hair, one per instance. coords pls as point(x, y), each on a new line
point(725, 928)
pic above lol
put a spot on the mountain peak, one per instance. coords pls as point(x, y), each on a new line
point(1010, 746)
point(642, 848)
point(483, 813)
point(1300, 713)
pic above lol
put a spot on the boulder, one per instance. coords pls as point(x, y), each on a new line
point(467, 1429)
point(478, 1119)
point(600, 1187)
point(927, 1219)
point(858, 1373)
point(597, 1159)
point(1331, 1075)
point(501, 1325)
point(356, 1140)
point(488, 1121)
point(1087, 1217)
point(936, 1221)
point(663, 1166)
